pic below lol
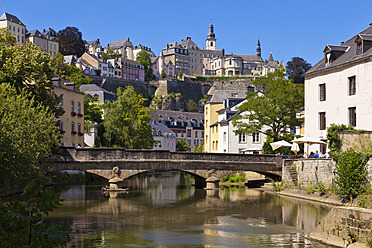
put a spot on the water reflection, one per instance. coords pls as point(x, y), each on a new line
point(164, 210)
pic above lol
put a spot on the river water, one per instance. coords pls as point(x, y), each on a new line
point(165, 210)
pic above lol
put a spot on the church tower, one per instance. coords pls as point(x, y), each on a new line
point(211, 39)
point(258, 50)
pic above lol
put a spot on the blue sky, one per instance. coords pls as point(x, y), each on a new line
point(285, 28)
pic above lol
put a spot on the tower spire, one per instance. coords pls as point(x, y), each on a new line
point(258, 50)
point(211, 38)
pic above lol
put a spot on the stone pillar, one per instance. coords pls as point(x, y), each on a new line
point(213, 183)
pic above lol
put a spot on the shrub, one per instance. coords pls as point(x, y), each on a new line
point(311, 189)
point(351, 174)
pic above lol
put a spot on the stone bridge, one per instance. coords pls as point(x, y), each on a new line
point(204, 166)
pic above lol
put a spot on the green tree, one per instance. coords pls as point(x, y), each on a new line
point(333, 137)
point(296, 68)
point(27, 136)
point(163, 74)
point(69, 72)
point(71, 41)
point(180, 74)
point(144, 59)
point(28, 67)
point(92, 109)
point(22, 222)
point(351, 174)
point(274, 111)
point(191, 106)
point(126, 121)
point(200, 147)
point(110, 54)
point(182, 146)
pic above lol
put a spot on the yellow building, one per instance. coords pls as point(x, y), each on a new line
point(15, 27)
point(211, 126)
point(46, 40)
point(72, 120)
point(214, 104)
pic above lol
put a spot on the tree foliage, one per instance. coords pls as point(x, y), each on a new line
point(182, 146)
point(296, 68)
point(69, 72)
point(27, 136)
point(351, 174)
point(71, 41)
point(273, 111)
point(27, 67)
point(110, 54)
point(126, 121)
point(92, 109)
point(333, 137)
point(163, 74)
point(200, 147)
point(144, 59)
point(22, 222)
point(191, 106)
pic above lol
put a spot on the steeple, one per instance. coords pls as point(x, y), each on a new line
point(211, 39)
point(271, 58)
point(258, 50)
point(211, 34)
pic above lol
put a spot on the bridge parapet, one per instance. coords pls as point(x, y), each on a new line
point(119, 154)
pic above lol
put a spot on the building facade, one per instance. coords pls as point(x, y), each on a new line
point(188, 126)
point(164, 137)
point(338, 88)
point(71, 123)
point(15, 27)
point(45, 40)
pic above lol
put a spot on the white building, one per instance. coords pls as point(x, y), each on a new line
point(165, 139)
point(15, 27)
point(338, 89)
point(228, 141)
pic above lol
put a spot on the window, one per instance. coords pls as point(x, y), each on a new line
point(352, 116)
point(61, 126)
point(196, 134)
point(352, 86)
point(54, 47)
point(359, 48)
point(224, 137)
point(322, 92)
point(79, 128)
point(72, 106)
point(322, 121)
point(60, 103)
point(43, 44)
point(256, 137)
point(50, 46)
point(242, 138)
point(72, 127)
point(78, 107)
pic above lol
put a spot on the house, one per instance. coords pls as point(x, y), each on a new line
point(185, 125)
point(338, 89)
point(228, 141)
point(103, 96)
point(138, 48)
point(124, 47)
point(164, 137)
point(47, 40)
point(91, 64)
point(132, 70)
point(158, 65)
point(94, 47)
point(213, 105)
point(71, 123)
point(15, 27)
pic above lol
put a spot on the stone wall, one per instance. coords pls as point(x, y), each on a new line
point(312, 170)
point(345, 225)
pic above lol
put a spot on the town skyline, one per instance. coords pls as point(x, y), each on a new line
point(237, 30)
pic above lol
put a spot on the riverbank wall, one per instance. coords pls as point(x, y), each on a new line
point(306, 172)
point(345, 227)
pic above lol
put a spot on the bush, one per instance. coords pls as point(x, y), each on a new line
point(351, 174)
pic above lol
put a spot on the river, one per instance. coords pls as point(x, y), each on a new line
point(165, 210)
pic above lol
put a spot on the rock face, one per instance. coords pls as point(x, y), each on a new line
point(183, 91)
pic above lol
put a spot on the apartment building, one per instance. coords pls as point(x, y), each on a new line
point(15, 27)
point(338, 88)
point(71, 123)
point(47, 40)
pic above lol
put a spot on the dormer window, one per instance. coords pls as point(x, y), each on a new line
point(359, 48)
